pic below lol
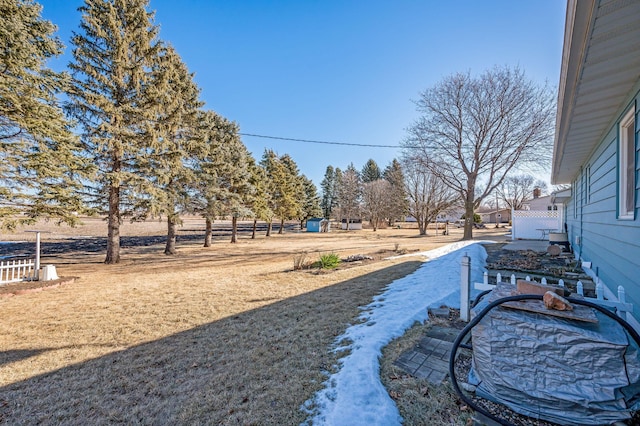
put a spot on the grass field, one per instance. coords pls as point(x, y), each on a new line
point(223, 335)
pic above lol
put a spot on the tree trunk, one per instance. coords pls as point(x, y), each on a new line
point(468, 222)
point(113, 227)
point(374, 223)
point(234, 228)
point(207, 232)
point(253, 232)
point(281, 230)
point(301, 224)
point(422, 227)
point(170, 248)
point(269, 224)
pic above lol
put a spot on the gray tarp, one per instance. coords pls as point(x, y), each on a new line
point(565, 371)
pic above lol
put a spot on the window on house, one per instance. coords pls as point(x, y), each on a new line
point(627, 166)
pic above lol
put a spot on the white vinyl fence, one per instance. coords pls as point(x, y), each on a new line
point(535, 224)
point(17, 270)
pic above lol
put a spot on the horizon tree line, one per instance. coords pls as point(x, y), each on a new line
point(144, 147)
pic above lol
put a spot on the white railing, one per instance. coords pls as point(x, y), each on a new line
point(17, 270)
point(623, 308)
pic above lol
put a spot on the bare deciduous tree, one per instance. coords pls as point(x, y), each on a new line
point(515, 190)
point(476, 130)
point(428, 195)
point(376, 201)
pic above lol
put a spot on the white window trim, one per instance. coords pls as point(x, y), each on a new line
point(627, 120)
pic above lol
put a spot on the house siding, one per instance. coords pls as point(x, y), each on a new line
point(596, 233)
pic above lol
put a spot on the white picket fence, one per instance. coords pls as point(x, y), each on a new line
point(623, 308)
point(17, 270)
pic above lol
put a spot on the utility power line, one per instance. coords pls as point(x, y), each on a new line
point(319, 142)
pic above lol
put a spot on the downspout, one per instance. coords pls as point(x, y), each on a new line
point(581, 212)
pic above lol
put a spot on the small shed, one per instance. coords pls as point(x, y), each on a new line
point(354, 224)
point(317, 224)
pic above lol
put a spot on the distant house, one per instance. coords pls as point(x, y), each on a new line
point(450, 215)
point(548, 202)
point(488, 215)
point(596, 141)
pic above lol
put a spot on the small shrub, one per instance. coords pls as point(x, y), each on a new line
point(329, 261)
point(299, 261)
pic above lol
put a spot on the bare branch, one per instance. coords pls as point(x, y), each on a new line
point(475, 130)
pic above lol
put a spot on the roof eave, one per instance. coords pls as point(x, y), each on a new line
point(579, 20)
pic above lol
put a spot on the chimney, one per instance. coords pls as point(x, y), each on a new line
point(536, 192)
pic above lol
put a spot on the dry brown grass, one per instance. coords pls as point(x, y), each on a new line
point(224, 335)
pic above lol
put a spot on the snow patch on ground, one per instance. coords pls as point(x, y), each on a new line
point(354, 395)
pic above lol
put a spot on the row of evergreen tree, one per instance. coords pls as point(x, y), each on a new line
point(131, 138)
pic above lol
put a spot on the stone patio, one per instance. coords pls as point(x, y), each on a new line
point(429, 359)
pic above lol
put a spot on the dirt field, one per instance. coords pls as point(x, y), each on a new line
point(221, 335)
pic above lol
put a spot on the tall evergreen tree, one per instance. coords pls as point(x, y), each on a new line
point(40, 167)
point(165, 163)
point(311, 202)
point(260, 202)
point(328, 192)
point(114, 56)
point(223, 173)
point(337, 182)
point(237, 188)
point(274, 173)
point(293, 194)
point(350, 193)
point(214, 133)
point(370, 172)
point(398, 202)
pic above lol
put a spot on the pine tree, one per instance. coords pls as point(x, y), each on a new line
point(223, 173)
point(113, 61)
point(237, 189)
point(276, 184)
point(214, 133)
point(292, 199)
point(370, 172)
point(398, 203)
point(269, 164)
point(350, 193)
point(311, 202)
point(260, 202)
point(328, 192)
point(40, 167)
point(337, 182)
point(165, 165)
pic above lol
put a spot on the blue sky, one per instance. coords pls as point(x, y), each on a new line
point(341, 71)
